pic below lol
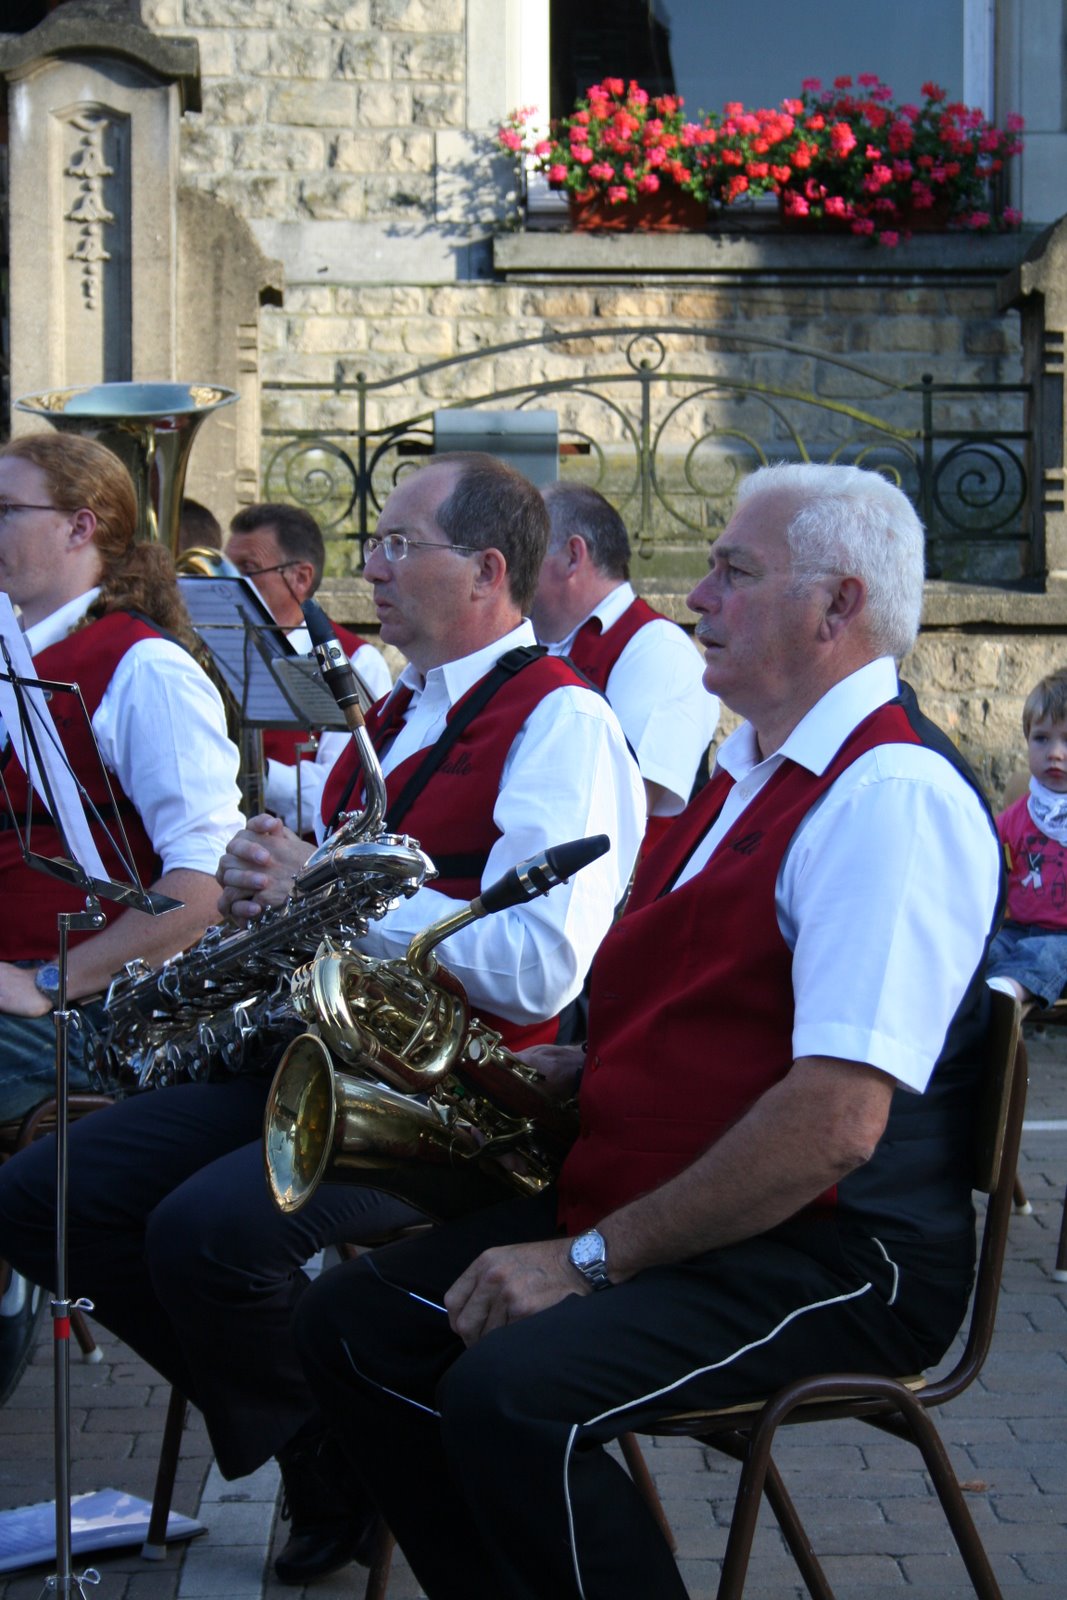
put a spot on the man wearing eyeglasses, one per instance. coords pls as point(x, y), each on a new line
point(281, 549)
point(182, 1251)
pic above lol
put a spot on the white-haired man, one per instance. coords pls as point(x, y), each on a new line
point(586, 609)
point(771, 1177)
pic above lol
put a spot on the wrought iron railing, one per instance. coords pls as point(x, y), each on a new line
point(667, 419)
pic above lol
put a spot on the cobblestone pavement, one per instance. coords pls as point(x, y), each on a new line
point(873, 1519)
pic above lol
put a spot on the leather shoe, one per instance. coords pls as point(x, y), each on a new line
point(20, 1311)
point(332, 1522)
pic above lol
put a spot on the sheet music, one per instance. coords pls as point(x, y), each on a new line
point(244, 641)
point(57, 779)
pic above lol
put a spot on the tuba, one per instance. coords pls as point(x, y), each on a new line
point(150, 427)
point(421, 1081)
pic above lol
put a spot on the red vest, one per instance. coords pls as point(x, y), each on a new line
point(279, 744)
point(452, 817)
point(32, 899)
point(595, 653)
point(691, 1003)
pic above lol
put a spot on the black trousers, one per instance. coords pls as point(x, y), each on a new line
point(488, 1462)
point(174, 1237)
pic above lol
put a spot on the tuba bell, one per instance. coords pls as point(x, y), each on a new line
point(150, 427)
point(421, 1081)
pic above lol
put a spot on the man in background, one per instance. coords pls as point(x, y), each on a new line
point(281, 549)
point(586, 608)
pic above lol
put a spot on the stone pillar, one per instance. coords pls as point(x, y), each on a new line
point(94, 101)
point(1038, 287)
point(116, 274)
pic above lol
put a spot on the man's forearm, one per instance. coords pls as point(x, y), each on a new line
point(95, 961)
point(804, 1135)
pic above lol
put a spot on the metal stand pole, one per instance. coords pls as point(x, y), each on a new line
point(64, 1581)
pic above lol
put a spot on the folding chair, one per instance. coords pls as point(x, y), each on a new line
point(897, 1406)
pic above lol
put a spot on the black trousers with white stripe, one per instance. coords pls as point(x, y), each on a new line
point(488, 1463)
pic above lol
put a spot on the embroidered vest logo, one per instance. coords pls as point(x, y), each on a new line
point(748, 843)
point(458, 766)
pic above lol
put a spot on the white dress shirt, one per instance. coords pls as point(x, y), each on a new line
point(568, 774)
point(887, 890)
point(656, 690)
point(280, 795)
point(161, 729)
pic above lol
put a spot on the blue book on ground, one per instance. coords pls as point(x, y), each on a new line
point(106, 1519)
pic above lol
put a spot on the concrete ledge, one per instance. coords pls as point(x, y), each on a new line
point(759, 250)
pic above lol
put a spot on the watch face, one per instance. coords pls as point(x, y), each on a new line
point(588, 1249)
point(47, 978)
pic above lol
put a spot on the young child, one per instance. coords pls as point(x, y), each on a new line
point(1029, 954)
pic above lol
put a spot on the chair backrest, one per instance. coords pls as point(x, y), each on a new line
point(998, 1132)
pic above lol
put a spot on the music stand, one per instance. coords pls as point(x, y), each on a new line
point(269, 683)
point(35, 739)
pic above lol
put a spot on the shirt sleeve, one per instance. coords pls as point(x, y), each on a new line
point(567, 775)
point(886, 897)
point(161, 729)
point(373, 669)
point(656, 690)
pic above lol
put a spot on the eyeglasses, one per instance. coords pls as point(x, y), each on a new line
point(260, 572)
point(8, 506)
point(395, 546)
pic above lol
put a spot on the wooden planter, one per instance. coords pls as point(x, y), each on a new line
point(666, 211)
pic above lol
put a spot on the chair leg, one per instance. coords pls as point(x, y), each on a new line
point(381, 1561)
point(1060, 1273)
point(947, 1489)
point(1022, 1205)
point(795, 1535)
point(638, 1470)
point(155, 1545)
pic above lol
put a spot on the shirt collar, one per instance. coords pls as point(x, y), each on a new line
point(609, 610)
point(454, 678)
point(51, 629)
point(819, 734)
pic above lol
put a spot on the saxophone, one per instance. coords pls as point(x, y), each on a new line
point(428, 1084)
point(219, 1007)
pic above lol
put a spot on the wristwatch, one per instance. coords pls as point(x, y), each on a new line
point(46, 980)
point(589, 1256)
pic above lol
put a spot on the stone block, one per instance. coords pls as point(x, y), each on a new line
point(401, 196)
point(990, 339)
point(364, 58)
point(383, 105)
point(279, 150)
point(232, 102)
point(385, 152)
point(437, 106)
point(203, 148)
point(331, 198)
point(161, 14)
point(323, 15)
point(622, 304)
point(931, 336)
point(418, 16)
point(382, 303)
point(216, 53)
point(289, 366)
point(284, 55)
point(433, 58)
point(433, 338)
point(313, 105)
point(326, 335)
point(318, 298)
point(256, 196)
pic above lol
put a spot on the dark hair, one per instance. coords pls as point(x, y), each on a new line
point(298, 534)
point(1047, 699)
point(574, 508)
point(492, 506)
point(136, 575)
point(198, 526)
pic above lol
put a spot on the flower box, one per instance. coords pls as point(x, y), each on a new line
point(845, 159)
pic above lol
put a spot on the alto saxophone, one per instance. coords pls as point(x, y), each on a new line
point(421, 1080)
point(217, 1008)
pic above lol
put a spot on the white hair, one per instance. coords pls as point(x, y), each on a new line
point(856, 524)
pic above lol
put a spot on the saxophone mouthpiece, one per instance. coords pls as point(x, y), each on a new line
point(538, 874)
point(334, 664)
